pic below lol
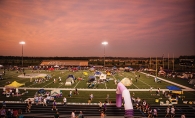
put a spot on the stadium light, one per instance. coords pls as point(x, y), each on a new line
point(22, 43)
point(104, 43)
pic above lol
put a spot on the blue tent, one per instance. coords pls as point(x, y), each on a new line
point(71, 76)
point(174, 88)
point(98, 73)
point(91, 78)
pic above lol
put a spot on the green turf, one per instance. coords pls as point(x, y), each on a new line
point(142, 83)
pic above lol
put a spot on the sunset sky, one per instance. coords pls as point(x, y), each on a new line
point(77, 28)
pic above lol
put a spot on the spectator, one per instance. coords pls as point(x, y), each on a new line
point(15, 113)
point(4, 104)
point(29, 103)
point(56, 115)
point(73, 114)
point(155, 114)
point(80, 115)
point(183, 116)
point(167, 112)
point(27, 108)
point(150, 113)
point(44, 102)
point(64, 101)
point(3, 112)
point(54, 106)
point(172, 112)
point(102, 115)
point(9, 114)
point(100, 106)
point(107, 98)
point(105, 108)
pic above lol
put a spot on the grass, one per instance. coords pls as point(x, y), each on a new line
point(142, 83)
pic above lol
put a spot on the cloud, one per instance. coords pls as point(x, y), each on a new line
point(71, 28)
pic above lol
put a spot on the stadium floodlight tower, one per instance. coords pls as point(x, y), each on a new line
point(104, 43)
point(22, 43)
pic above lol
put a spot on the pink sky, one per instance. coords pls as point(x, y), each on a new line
point(74, 28)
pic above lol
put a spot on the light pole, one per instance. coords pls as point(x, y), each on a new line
point(22, 43)
point(104, 43)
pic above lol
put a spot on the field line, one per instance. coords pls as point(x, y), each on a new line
point(76, 84)
point(47, 84)
point(143, 82)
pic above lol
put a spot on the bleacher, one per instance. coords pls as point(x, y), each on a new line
point(40, 111)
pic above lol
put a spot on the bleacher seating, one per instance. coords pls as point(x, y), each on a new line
point(40, 111)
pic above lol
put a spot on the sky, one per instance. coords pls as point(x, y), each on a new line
point(77, 28)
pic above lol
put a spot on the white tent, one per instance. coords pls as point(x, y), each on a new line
point(56, 66)
point(103, 76)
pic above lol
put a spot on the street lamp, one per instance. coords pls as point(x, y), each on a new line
point(104, 43)
point(22, 43)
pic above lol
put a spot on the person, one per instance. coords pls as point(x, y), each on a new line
point(91, 96)
point(107, 98)
point(70, 94)
point(2, 112)
point(4, 104)
point(100, 106)
point(44, 102)
point(54, 105)
point(167, 112)
point(9, 114)
point(136, 78)
point(29, 103)
point(104, 109)
point(27, 108)
point(172, 112)
point(73, 114)
point(155, 114)
point(56, 115)
point(80, 115)
point(76, 92)
point(15, 113)
point(64, 101)
point(102, 115)
point(183, 116)
point(150, 113)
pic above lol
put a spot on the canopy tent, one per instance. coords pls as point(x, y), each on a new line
point(56, 66)
point(126, 82)
point(114, 68)
point(71, 76)
point(91, 78)
point(103, 76)
point(51, 69)
point(97, 73)
point(175, 89)
point(85, 73)
point(41, 91)
point(92, 69)
point(14, 84)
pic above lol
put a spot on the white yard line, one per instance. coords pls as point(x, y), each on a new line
point(143, 82)
point(47, 84)
point(76, 84)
